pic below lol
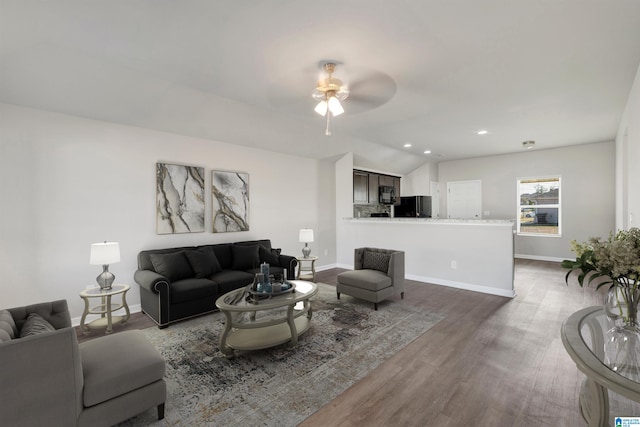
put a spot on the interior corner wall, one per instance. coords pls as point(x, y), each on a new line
point(587, 193)
point(68, 182)
point(326, 203)
point(344, 203)
point(627, 161)
point(418, 181)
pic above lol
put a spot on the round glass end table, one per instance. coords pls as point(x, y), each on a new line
point(105, 308)
point(588, 336)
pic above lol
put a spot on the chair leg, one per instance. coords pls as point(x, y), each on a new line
point(401, 295)
point(338, 294)
point(375, 306)
point(161, 411)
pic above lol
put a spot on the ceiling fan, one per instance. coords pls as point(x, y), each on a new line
point(358, 89)
point(329, 92)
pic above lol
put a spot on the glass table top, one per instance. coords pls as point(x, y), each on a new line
point(615, 347)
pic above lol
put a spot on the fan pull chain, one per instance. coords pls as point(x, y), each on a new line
point(327, 131)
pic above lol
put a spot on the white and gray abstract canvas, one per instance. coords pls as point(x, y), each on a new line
point(179, 199)
point(230, 197)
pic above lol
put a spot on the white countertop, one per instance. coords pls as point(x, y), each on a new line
point(436, 221)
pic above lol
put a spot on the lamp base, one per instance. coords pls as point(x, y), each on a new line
point(306, 251)
point(105, 279)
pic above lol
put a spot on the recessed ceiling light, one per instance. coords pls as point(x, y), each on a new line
point(482, 132)
point(407, 145)
point(427, 152)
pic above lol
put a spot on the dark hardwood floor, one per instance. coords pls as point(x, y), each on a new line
point(492, 361)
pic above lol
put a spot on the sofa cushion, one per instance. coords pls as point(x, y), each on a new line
point(371, 280)
point(376, 261)
point(117, 364)
point(244, 257)
point(7, 323)
point(186, 290)
point(203, 262)
point(35, 325)
point(174, 266)
point(229, 280)
point(268, 256)
point(4, 335)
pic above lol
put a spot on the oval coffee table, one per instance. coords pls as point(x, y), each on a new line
point(268, 322)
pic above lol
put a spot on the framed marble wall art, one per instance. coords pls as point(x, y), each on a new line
point(230, 200)
point(179, 199)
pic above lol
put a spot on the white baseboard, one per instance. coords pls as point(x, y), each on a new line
point(136, 308)
point(345, 266)
point(453, 284)
point(326, 267)
point(539, 258)
point(509, 293)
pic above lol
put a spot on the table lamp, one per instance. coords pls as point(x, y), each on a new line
point(104, 254)
point(306, 237)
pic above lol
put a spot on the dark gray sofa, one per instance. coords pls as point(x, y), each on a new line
point(179, 283)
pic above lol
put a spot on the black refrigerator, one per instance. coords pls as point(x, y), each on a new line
point(413, 207)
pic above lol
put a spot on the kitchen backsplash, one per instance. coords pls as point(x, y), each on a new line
point(365, 211)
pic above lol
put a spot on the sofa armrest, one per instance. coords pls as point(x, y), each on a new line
point(41, 379)
point(396, 270)
point(358, 254)
point(290, 263)
point(150, 280)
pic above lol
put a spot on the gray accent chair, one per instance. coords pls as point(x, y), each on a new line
point(49, 380)
point(377, 275)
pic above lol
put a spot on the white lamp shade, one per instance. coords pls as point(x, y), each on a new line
point(321, 108)
point(104, 253)
point(306, 235)
point(335, 107)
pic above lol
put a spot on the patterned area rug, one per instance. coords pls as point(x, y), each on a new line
point(280, 386)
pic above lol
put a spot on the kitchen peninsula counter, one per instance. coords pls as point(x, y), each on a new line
point(495, 222)
point(471, 254)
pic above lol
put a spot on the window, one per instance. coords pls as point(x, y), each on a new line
point(539, 206)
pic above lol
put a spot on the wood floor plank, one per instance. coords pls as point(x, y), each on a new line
point(492, 361)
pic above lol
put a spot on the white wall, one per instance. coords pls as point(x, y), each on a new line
point(68, 182)
point(418, 181)
point(587, 173)
point(627, 161)
point(472, 256)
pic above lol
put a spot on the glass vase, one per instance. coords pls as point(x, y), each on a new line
point(622, 342)
point(622, 351)
point(621, 306)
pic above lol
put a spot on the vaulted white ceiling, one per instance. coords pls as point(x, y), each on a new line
point(428, 72)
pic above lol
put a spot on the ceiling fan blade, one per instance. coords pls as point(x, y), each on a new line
point(373, 83)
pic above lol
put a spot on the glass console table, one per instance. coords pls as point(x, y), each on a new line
point(587, 336)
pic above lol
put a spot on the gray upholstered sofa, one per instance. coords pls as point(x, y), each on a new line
point(377, 275)
point(47, 379)
point(179, 283)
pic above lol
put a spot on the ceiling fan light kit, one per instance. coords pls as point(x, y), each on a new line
point(329, 92)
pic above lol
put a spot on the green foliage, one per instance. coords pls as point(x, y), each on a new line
point(616, 259)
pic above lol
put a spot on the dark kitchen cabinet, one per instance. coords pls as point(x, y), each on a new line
point(366, 184)
point(396, 186)
point(360, 187)
point(385, 180)
point(373, 188)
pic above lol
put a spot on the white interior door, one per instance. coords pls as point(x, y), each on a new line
point(464, 199)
